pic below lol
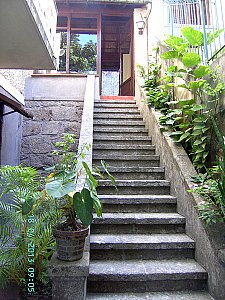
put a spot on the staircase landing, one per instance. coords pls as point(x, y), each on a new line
point(117, 98)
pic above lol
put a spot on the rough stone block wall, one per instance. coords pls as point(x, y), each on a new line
point(51, 119)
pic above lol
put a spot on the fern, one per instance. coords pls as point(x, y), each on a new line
point(20, 197)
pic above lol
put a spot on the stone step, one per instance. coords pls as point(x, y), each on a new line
point(136, 161)
point(121, 111)
point(121, 135)
point(115, 105)
point(141, 246)
point(119, 129)
point(138, 203)
point(107, 123)
point(118, 150)
point(128, 132)
point(144, 173)
point(138, 223)
point(146, 276)
point(115, 139)
point(123, 147)
point(137, 187)
point(183, 295)
point(118, 116)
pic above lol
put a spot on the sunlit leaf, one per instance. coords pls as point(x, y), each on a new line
point(202, 71)
point(184, 136)
point(170, 55)
point(194, 37)
point(191, 59)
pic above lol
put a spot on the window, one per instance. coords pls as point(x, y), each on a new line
point(188, 12)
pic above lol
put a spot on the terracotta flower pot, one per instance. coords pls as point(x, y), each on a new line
point(70, 244)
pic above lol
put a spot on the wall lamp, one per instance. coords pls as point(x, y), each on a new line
point(140, 26)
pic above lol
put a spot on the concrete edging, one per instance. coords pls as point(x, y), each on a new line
point(179, 169)
point(69, 279)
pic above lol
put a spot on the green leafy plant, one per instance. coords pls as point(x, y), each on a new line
point(76, 202)
point(157, 94)
point(21, 197)
point(188, 118)
point(192, 119)
point(209, 209)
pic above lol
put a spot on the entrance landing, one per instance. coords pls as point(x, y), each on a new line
point(117, 97)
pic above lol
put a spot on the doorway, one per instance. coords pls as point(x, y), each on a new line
point(117, 56)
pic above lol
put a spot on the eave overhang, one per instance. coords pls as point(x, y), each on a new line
point(135, 3)
point(24, 43)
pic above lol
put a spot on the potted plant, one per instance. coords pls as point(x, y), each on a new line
point(75, 202)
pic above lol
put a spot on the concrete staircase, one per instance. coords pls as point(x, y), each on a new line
point(139, 250)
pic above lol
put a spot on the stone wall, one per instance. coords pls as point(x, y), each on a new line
point(53, 116)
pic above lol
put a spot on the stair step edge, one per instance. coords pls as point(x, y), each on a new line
point(147, 270)
point(138, 241)
point(186, 295)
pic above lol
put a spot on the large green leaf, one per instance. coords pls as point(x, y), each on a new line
point(183, 137)
point(194, 85)
point(83, 203)
point(183, 102)
point(198, 127)
point(194, 37)
point(198, 107)
point(177, 43)
point(96, 203)
point(59, 188)
point(90, 175)
point(191, 59)
point(112, 179)
point(201, 119)
point(27, 206)
point(170, 55)
point(202, 71)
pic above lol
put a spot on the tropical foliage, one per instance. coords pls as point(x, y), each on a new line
point(191, 120)
point(21, 198)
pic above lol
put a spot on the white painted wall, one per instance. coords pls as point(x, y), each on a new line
point(47, 12)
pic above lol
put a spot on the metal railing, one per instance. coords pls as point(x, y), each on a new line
point(203, 15)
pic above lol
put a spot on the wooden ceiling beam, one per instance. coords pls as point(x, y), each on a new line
point(84, 9)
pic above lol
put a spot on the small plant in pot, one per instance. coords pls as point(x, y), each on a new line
point(73, 186)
